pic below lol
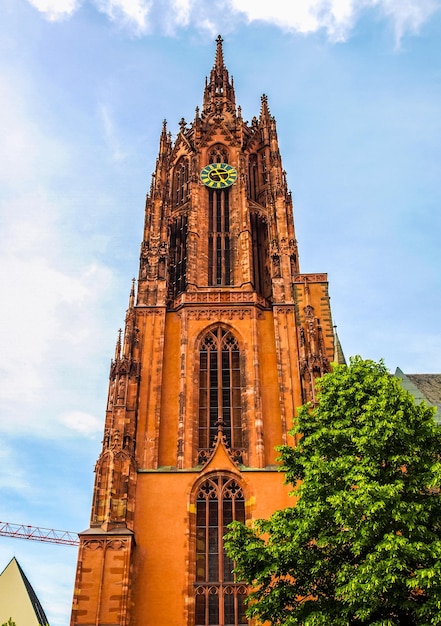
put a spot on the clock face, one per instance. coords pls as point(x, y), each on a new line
point(218, 175)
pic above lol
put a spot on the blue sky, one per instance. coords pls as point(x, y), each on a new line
point(355, 87)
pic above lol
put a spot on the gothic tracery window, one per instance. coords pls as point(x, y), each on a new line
point(218, 154)
point(180, 182)
point(219, 598)
point(220, 402)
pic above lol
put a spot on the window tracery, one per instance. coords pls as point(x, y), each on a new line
point(218, 154)
point(219, 597)
point(220, 395)
point(181, 182)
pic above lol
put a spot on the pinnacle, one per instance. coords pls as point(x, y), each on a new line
point(219, 60)
point(219, 90)
point(264, 110)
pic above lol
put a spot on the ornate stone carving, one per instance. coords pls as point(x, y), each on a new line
point(94, 544)
point(117, 544)
point(101, 544)
point(274, 247)
point(124, 367)
point(310, 278)
point(220, 296)
point(218, 314)
point(237, 455)
point(284, 310)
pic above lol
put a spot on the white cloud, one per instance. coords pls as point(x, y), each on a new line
point(53, 288)
point(46, 307)
point(300, 16)
point(335, 17)
point(56, 10)
point(408, 15)
point(133, 13)
point(82, 423)
point(181, 11)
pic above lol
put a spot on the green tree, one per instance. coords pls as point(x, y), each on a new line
point(362, 545)
point(9, 623)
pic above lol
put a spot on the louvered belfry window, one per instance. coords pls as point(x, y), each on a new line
point(219, 241)
point(178, 255)
point(219, 598)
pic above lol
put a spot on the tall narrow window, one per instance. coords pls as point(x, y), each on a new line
point(220, 405)
point(219, 251)
point(252, 177)
point(180, 182)
point(261, 269)
point(178, 256)
point(219, 598)
point(264, 168)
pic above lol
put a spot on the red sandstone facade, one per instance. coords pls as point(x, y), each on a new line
point(223, 339)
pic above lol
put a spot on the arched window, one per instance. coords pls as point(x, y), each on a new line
point(219, 598)
point(218, 154)
point(220, 402)
point(180, 186)
point(178, 256)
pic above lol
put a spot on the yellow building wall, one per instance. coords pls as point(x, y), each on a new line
point(161, 591)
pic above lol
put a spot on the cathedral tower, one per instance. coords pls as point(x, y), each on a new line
point(223, 339)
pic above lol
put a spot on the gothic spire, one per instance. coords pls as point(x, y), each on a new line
point(219, 90)
point(264, 108)
point(219, 60)
point(132, 295)
point(164, 141)
point(339, 356)
point(129, 330)
point(118, 346)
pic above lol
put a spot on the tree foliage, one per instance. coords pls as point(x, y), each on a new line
point(362, 545)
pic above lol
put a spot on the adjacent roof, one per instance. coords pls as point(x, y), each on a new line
point(424, 387)
point(18, 600)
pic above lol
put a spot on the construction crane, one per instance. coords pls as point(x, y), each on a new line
point(35, 533)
